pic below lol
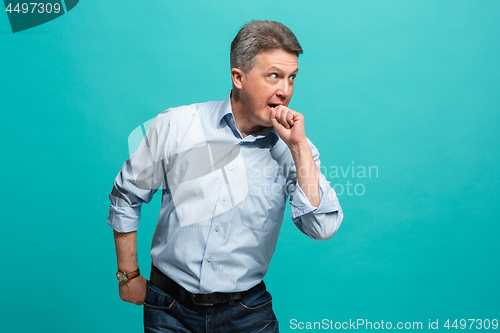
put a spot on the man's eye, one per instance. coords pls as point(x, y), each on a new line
point(274, 76)
point(292, 78)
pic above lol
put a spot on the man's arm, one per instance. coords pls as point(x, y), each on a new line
point(307, 172)
point(133, 291)
point(290, 127)
point(315, 208)
point(139, 178)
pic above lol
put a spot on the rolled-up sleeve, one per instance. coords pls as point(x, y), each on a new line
point(124, 219)
point(140, 177)
point(319, 223)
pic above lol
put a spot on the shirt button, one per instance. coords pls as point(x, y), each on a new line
point(232, 168)
point(217, 229)
point(209, 259)
point(224, 199)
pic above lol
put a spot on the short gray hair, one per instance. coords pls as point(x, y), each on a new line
point(259, 36)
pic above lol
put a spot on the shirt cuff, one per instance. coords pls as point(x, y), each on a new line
point(124, 219)
point(301, 205)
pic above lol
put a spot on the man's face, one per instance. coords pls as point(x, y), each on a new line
point(268, 84)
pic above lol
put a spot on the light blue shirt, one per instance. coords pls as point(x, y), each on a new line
point(223, 197)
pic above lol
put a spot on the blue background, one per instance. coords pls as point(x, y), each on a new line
point(411, 87)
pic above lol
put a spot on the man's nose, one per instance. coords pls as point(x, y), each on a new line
point(283, 89)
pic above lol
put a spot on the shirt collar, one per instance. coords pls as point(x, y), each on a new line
point(224, 116)
point(225, 109)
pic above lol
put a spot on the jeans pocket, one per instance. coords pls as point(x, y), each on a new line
point(256, 302)
point(157, 299)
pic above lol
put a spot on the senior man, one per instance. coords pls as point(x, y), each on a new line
point(226, 170)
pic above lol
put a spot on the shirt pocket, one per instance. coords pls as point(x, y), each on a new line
point(267, 204)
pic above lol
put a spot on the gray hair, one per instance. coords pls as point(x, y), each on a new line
point(259, 36)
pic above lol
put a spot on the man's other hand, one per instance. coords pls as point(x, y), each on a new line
point(133, 291)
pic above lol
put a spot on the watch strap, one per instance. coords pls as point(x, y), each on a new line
point(133, 274)
point(129, 276)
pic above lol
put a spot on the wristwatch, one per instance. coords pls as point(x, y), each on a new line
point(125, 277)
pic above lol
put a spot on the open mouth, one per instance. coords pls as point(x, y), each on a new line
point(272, 105)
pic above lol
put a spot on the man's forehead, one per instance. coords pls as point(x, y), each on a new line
point(271, 68)
point(277, 59)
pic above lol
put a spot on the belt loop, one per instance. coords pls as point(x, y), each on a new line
point(182, 295)
point(231, 297)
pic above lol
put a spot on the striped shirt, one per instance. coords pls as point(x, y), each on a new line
point(223, 197)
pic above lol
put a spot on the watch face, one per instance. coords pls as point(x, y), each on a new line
point(121, 277)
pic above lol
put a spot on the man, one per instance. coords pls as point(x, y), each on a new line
point(227, 169)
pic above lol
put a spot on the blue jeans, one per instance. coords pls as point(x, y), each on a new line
point(253, 313)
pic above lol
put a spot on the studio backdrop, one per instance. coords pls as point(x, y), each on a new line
point(400, 97)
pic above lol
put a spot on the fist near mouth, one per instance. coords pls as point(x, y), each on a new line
point(289, 125)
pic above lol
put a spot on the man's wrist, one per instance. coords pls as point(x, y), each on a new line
point(124, 276)
point(300, 150)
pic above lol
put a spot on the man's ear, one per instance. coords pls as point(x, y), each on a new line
point(237, 76)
